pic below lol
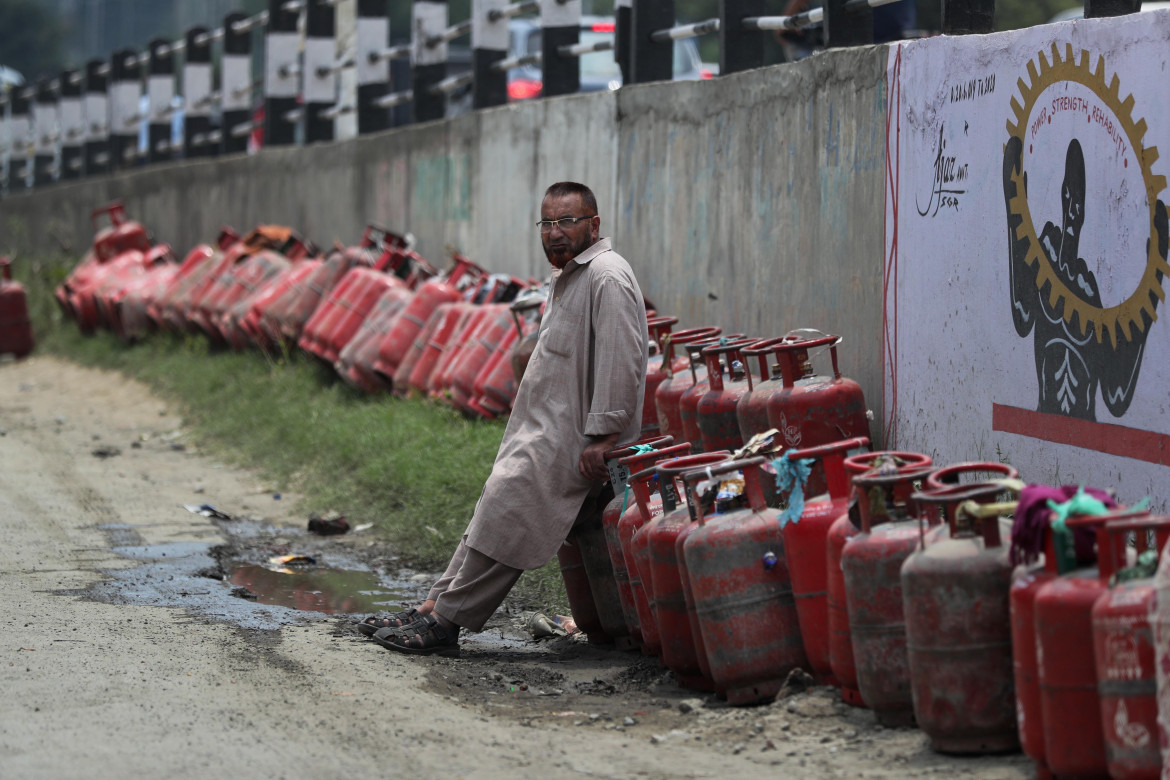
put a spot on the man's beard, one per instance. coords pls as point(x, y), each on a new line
point(568, 250)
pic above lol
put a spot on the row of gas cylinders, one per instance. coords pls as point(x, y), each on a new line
point(895, 585)
point(378, 312)
point(718, 391)
point(16, 336)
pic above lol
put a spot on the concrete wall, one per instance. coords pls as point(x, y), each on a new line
point(751, 202)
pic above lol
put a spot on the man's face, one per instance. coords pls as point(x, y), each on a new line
point(563, 244)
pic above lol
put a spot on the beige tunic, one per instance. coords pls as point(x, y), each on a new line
point(587, 377)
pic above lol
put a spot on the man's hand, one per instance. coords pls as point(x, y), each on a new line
point(592, 464)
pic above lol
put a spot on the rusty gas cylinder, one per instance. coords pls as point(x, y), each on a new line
point(715, 413)
point(806, 540)
point(872, 564)
point(1124, 650)
point(841, 658)
point(813, 409)
point(676, 366)
point(743, 596)
point(16, 337)
point(624, 620)
point(688, 401)
point(764, 380)
point(673, 603)
point(645, 504)
point(581, 602)
point(972, 472)
point(1074, 741)
point(958, 626)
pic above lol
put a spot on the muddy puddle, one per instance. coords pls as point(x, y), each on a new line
point(314, 588)
point(248, 580)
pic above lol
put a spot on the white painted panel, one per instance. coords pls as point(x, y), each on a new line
point(989, 356)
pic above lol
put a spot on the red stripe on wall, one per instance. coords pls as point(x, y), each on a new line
point(1101, 437)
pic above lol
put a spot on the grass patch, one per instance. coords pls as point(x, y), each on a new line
point(415, 469)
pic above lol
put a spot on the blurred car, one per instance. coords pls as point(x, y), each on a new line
point(599, 70)
point(1079, 13)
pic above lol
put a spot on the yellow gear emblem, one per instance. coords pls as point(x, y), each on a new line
point(1115, 321)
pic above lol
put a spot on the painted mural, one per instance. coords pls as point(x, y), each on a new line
point(1026, 252)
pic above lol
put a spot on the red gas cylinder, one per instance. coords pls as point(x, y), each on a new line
point(355, 363)
point(872, 564)
point(471, 325)
point(810, 409)
point(1025, 664)
point(596, 557)
point(496, 372)
point(841, 657)
point(659, 331)
point(806, 541)
point(192, 273)
point(688, 402)
point(639, 506)
point(677, 380)
point(16, 337)
point(673, 602)
point(958, 624)
point(715, 413)
point(428, 296)
point(342, 312)
point(495, 329)
point(1124, 651)
point(645, 450)
point(449, 315)
point(1074, 741)
point(122, 234)
point(580, 594)
point(743, 597)
point(764, 381)
point(250, 283)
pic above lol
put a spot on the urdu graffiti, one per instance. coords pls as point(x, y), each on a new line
point(1071, 129)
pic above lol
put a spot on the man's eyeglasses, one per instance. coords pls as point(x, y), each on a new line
point(564, 223)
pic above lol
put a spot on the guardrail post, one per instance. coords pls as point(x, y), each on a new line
point(160, 90)
point(96, 105)
point(72, 124)
point(968, 17)
point(281, 60)
point(560, 25)
point(847, 27)
point(623, 17)
point(197, 94)
point(428, 63)
point(739, 49)
point(320, 78)
point(373, 78)
point(124, 94)
point(650, 61)
point(235, 85)
point(489, 44)
point(44, 133)
point(1099, 8)
point(19, 127)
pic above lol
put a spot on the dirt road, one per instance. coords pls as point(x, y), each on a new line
point(124, 654)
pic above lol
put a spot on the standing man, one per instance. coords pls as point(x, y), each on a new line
point(580, 397)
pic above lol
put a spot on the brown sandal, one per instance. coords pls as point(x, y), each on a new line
point(374, 624)
point(424, 637)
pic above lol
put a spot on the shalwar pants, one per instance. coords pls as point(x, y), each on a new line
point(475, 585)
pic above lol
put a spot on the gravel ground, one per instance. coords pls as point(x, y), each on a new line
point(125, 653)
